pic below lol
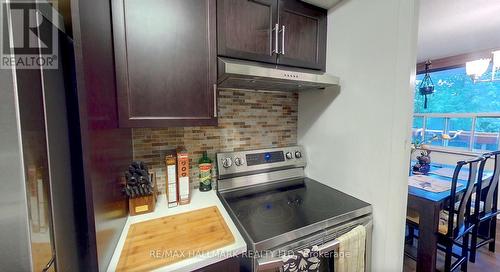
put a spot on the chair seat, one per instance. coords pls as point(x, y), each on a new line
point(473, 206)
point(473, 203)
point(413, 217)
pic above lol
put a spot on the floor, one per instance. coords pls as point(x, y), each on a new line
point(41, 254)
point(485, 260)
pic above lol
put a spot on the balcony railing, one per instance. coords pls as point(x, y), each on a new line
point(470, 140)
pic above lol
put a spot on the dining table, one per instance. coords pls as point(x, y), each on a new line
point(428, 205)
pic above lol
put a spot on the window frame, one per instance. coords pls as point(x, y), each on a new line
point(448, 63)
point(447, 117)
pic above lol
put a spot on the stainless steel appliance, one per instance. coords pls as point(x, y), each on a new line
point(278, 209)
point(326, 4)
point(241, 74)
point(38, 170)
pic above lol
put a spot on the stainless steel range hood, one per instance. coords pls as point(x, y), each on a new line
point(239, 74)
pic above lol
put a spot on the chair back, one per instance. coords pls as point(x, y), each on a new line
point(491, 199)
point(464, 196)
point(479, 185)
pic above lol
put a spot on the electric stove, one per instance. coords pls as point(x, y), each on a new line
point(278, 209)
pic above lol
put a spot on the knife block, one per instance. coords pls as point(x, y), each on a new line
point(144, 204)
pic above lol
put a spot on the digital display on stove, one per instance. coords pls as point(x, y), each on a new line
point(266, 157)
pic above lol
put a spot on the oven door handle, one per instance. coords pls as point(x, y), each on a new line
point(272, 263)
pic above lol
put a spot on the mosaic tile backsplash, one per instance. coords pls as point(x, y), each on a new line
point(247, 120)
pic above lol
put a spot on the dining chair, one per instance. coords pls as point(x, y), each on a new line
point(455, 225)
point(486, 199)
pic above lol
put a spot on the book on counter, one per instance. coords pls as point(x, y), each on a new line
point(183, 176)
point(177, 178)
point(171, 178)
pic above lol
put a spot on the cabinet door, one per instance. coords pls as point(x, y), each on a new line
point(230, 265)
point(165, 62)
point(245, 29)
point(302, 35)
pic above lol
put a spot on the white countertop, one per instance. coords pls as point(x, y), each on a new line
point(199, 200)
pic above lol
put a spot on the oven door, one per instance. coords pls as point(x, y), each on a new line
point(276, 264)
point(326, 250)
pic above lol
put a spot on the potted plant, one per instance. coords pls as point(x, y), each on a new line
point(423, 164)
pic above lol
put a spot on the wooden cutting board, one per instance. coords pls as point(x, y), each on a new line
point(159, 242)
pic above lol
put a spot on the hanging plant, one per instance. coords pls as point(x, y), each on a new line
point(426, 87)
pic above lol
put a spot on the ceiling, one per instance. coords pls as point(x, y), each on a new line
point(453, 27)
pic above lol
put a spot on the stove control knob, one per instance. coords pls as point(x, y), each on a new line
point(227, 162)
point(289, 155)
point(238, 161)
point(298, 155)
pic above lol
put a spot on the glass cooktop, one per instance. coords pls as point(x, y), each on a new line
point(271, 210)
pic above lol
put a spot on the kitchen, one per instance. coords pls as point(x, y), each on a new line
point(153, 76)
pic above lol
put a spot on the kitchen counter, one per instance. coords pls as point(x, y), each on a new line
point(199, 200)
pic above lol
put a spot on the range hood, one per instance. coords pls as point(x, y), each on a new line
point(326, 4)
point(240, 74)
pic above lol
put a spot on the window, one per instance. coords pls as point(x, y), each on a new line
point(462, 128)
point(434, 126)
point(456, 93)
point(469, 113)
point(417, 129)
point(487, 134)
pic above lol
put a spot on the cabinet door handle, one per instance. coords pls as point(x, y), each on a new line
point(283, 39)
point(276, 37)
point(215, 100)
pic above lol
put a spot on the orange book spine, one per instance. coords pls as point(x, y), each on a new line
point(183, 177)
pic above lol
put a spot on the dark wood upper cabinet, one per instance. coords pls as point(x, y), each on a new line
point(285, 32)
point(304, 37)
point(245, 29)
point(165, 54)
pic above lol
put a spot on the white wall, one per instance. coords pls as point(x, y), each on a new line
point(357, 140)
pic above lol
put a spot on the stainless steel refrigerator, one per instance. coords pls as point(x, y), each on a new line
point(40, 161)
point(62, 151)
